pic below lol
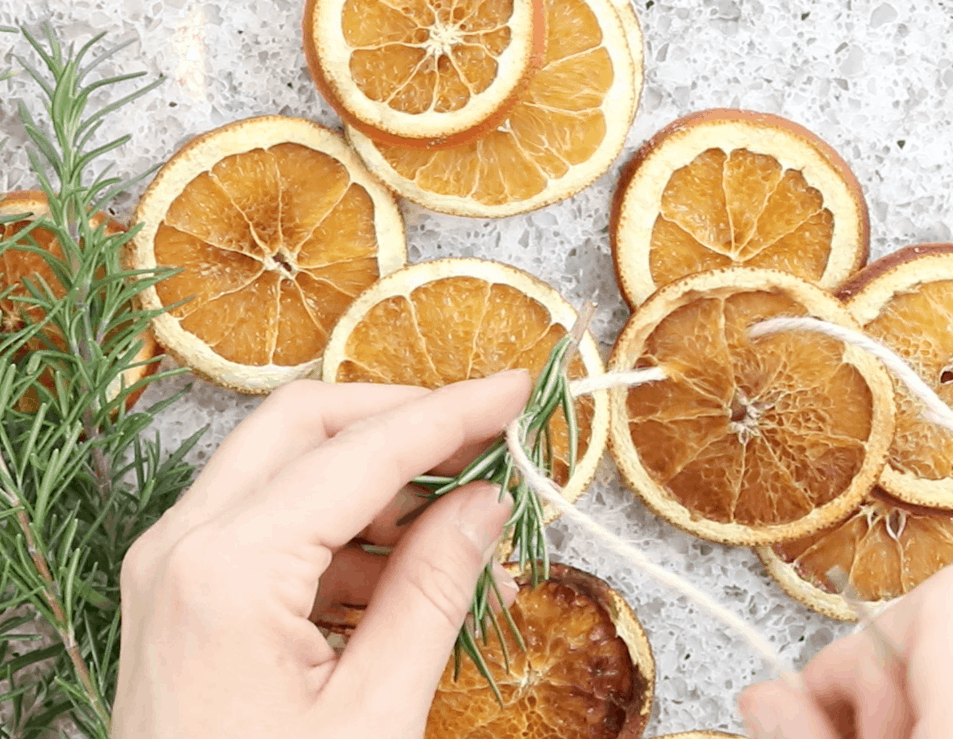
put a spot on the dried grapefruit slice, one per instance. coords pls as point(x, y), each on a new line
point(277, 227)
point(587, 670)
point(454, 319)
point(723, 188)
point(747, 441)
point(565, 130)
point(886, 547)
point(906, 301)
point(422, 72)
point(17, 264)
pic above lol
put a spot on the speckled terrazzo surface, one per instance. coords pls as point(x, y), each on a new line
point(874, 79)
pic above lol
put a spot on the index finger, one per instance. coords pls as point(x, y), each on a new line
point(329, 495)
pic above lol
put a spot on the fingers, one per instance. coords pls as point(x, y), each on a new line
point(292, 421)
point(350, 580)
point(329, 495)
point(864, 675)
point(398, 652)
point(773, 710)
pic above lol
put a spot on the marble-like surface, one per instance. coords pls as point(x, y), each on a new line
point(874, 79)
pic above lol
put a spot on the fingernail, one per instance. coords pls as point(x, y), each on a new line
point(482, 517)
point(504, 580)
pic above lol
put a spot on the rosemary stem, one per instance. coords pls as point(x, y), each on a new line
point(52, 596)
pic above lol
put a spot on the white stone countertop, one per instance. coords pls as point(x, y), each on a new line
point(872, 78)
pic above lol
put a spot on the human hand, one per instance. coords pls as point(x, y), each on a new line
point(217, 596)
point(859, 687)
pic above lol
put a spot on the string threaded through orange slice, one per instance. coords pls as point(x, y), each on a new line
point(747, 441)
point(905, 300)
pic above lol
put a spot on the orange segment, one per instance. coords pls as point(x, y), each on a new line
point(275, 228)
point(886, 548)
point(747, 440)
point(587, 670)
point(449, 320)
point(906, 301)
point(568, 124)
point(710, 191)
point(423, 72)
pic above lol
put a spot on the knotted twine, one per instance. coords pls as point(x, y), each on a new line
point(936, 411)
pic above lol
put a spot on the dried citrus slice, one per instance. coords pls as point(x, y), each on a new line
point(455, 319)
point(886, 548)
point(906, 301)
point(702, 734)
point(724, 188)
point(422, 72)
point(277, 227)
point(567, 127)
point(17, 264)
point(747, 441)
point(587, 670)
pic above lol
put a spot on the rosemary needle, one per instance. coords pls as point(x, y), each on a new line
point(526, 523)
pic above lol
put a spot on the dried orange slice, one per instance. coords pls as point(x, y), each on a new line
point(587, 670)
point(455, 319)
point(747, 441)
point(17, 264)
point(422, 72)
point(724, 188)
point(565, 130)
point(906, 301)
point(886, 548)
point(277, 227)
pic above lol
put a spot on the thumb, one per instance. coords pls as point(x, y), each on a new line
point(397, 654)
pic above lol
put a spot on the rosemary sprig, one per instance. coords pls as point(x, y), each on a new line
point(526, 522)
point(78, 482)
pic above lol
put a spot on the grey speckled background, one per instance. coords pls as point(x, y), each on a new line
point(874, 79)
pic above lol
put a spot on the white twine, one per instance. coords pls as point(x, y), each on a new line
point(936, 411)
point(550, 492)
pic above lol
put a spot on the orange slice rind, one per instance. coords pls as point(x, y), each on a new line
point(443, 321)
point(276, 227)
point(588, 669)
point(723, 188)
point(566, 128)
point(747, 441)
point(422, 72)
point(886, 547)
point(905, 300)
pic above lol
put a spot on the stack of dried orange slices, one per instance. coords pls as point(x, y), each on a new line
point(483, 109)
point(903, 531)
point(725, 219)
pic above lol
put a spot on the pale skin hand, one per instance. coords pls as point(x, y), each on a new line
point(217, 597)
point(854, 688)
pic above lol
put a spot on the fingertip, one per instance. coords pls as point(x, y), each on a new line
point(774, 709)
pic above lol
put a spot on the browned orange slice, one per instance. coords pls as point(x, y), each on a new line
point(276, 227)
point(587, 670)
point(886, 548)
point(568, 125)
point(906, 301)
point(723, 188)
point(423, 72)
point(747, 441)
point(454, 319)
